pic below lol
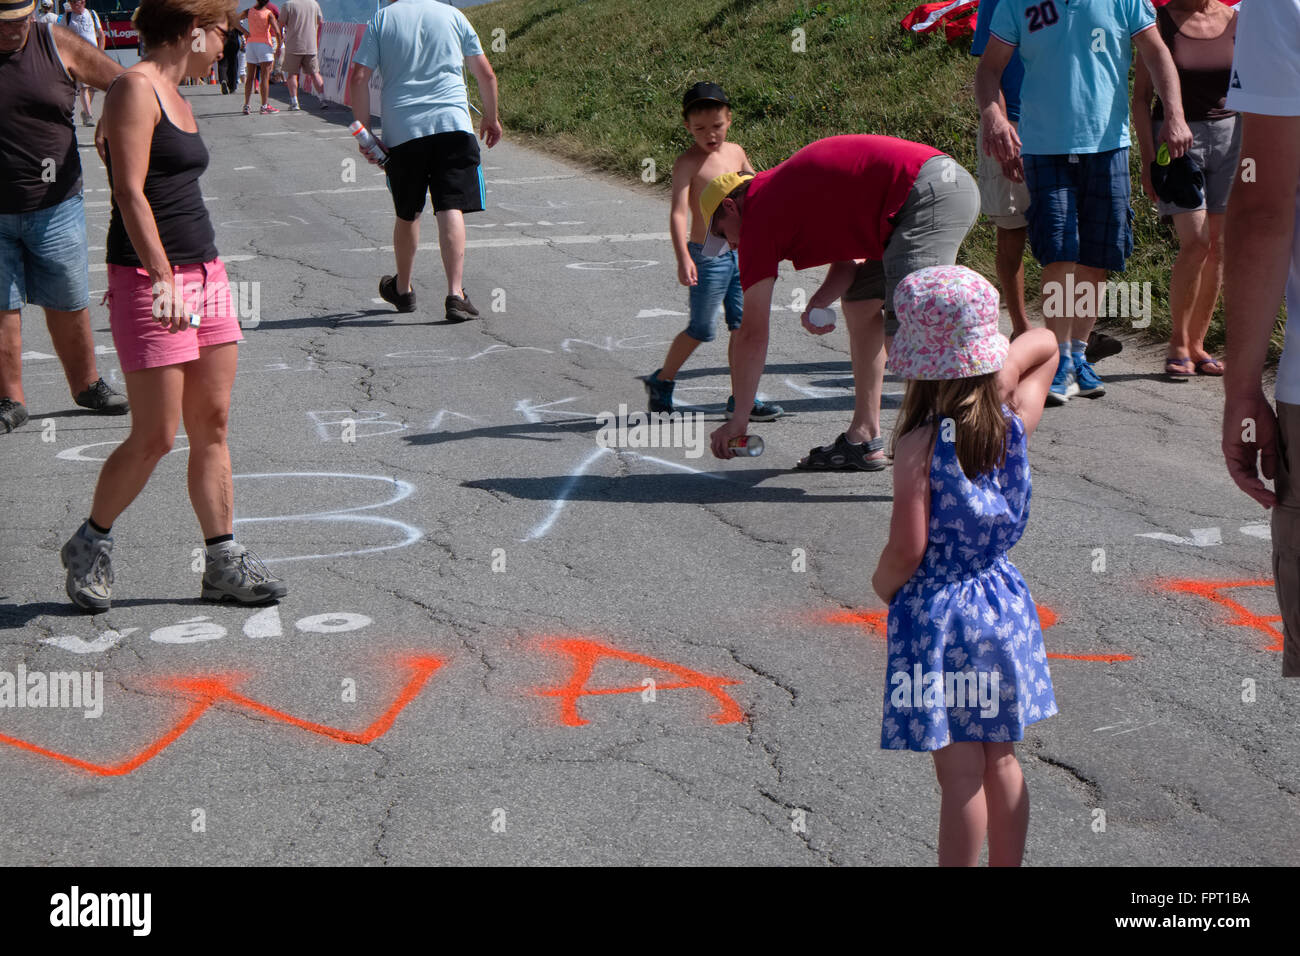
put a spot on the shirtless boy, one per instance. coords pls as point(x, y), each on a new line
point(713, 281)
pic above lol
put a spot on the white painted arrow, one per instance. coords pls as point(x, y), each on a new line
point(653, 313)
point(1201, 537)
point(78, 645)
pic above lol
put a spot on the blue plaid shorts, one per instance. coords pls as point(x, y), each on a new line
point(1079, 208)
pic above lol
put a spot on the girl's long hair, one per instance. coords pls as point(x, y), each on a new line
point(979, 429)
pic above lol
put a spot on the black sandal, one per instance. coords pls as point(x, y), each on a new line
point(842, 455)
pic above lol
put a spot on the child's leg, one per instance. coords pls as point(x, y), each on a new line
point(681, 349)
point(1008, 805)
point(705, 299)
point(963, 815)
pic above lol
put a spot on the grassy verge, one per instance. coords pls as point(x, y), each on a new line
point(600, 82)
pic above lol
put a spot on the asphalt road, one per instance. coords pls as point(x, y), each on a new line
point(474, 552)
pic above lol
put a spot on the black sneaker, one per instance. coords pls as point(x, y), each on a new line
point(1101, 345)
point(762, 412)
point(660, 392)
point(388, 289)
point(459, 308)
point(12, 415)
point(100, 398)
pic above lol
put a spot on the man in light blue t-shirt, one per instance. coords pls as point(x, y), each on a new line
point(420, 49)
point(1073, 145)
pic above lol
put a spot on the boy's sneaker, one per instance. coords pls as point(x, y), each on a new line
point(268, 108)
point(88, 559)
point(12, 415)
point(403, 301)
point(762, 412)
point(100, 398)
point(660, 392)
point(1064, 387)
point(1089, 384)
point(459, 308)
point(237, 575)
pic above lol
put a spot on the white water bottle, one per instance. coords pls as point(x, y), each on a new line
point(369, 145)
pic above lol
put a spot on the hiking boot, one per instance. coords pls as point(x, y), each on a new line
point(99, 397)
point(12, 415)
point(1101, 345)
point(660, 392)
point(763, 411)
point(237, 575)
point(459, 308)
point(403, 301)
point(88, 558)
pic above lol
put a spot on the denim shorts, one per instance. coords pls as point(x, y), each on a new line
point(43, 258)
point(1079, 208)
point(718, 285)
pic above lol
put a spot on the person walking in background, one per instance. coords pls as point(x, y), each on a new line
point(1262, 241)
point(421, 48)
point(228, 67)
point(260, 55)
point(85, 23)
point(43, 252)
point(1199, 34)
point(302, 23)
point(714, 281)
point(45, 13)
point(162, 270)
point(967, 670)
point(1074, 126)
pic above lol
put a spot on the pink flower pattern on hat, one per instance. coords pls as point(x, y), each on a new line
point(947, 325)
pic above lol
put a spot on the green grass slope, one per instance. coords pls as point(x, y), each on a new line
point(601, 81)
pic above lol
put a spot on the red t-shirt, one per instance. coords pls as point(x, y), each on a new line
point(829, 202)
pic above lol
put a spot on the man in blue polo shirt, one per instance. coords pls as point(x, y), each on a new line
point(1073, 145)
point(420, 48)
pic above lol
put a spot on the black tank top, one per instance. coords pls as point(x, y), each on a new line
point(176, 161)
point(39, 163)
point(1204, 69)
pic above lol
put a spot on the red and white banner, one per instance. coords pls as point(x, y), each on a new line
point(338, 46)
point(927, 16)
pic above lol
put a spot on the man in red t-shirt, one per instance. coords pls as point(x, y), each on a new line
point(873, 208)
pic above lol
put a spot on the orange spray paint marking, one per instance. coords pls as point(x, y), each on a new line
point(215, 688)
point(875, 622)
point(1212, 591)
point(587, 653)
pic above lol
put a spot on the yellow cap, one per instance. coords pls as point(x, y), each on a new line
point(718, 190)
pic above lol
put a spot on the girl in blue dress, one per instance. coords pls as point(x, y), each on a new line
point(967, 668)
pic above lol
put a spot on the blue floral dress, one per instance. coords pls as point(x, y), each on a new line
point(966, 654)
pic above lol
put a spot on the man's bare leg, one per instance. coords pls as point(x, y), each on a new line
point(866, 325)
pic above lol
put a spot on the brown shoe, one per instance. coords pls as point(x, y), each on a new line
point(460, 309)
point(404, 302)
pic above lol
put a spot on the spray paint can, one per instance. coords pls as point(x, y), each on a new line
point(369, 145)
point(746, 446)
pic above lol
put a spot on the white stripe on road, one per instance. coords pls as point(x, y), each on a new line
point(345, 189)
point(526, 180)
point(536, 241)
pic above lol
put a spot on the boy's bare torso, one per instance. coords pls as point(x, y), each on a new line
point(703, 168)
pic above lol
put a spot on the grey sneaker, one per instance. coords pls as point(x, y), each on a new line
point(239, 576)
point(100, 397)
point(90, 570)
point(12, 415)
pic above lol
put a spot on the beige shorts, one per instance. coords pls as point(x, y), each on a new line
point(300, 63)
point(1286, 534)
point(1003, 201)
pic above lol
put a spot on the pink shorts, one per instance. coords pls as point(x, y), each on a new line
point(140, 340)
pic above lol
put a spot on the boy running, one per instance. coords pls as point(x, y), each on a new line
point(713, 281)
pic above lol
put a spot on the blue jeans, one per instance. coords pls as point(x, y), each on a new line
point(43, 258)
point(718, 285)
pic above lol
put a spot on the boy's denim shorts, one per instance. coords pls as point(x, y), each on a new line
point(1079, 210)
point(43, 258)
point(718, 285)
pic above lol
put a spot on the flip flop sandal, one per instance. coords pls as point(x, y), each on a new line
point(1211, 363)
point(1179, 368)
point(840, 455)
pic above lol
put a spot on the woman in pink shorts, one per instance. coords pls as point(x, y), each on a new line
point(170, 308)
